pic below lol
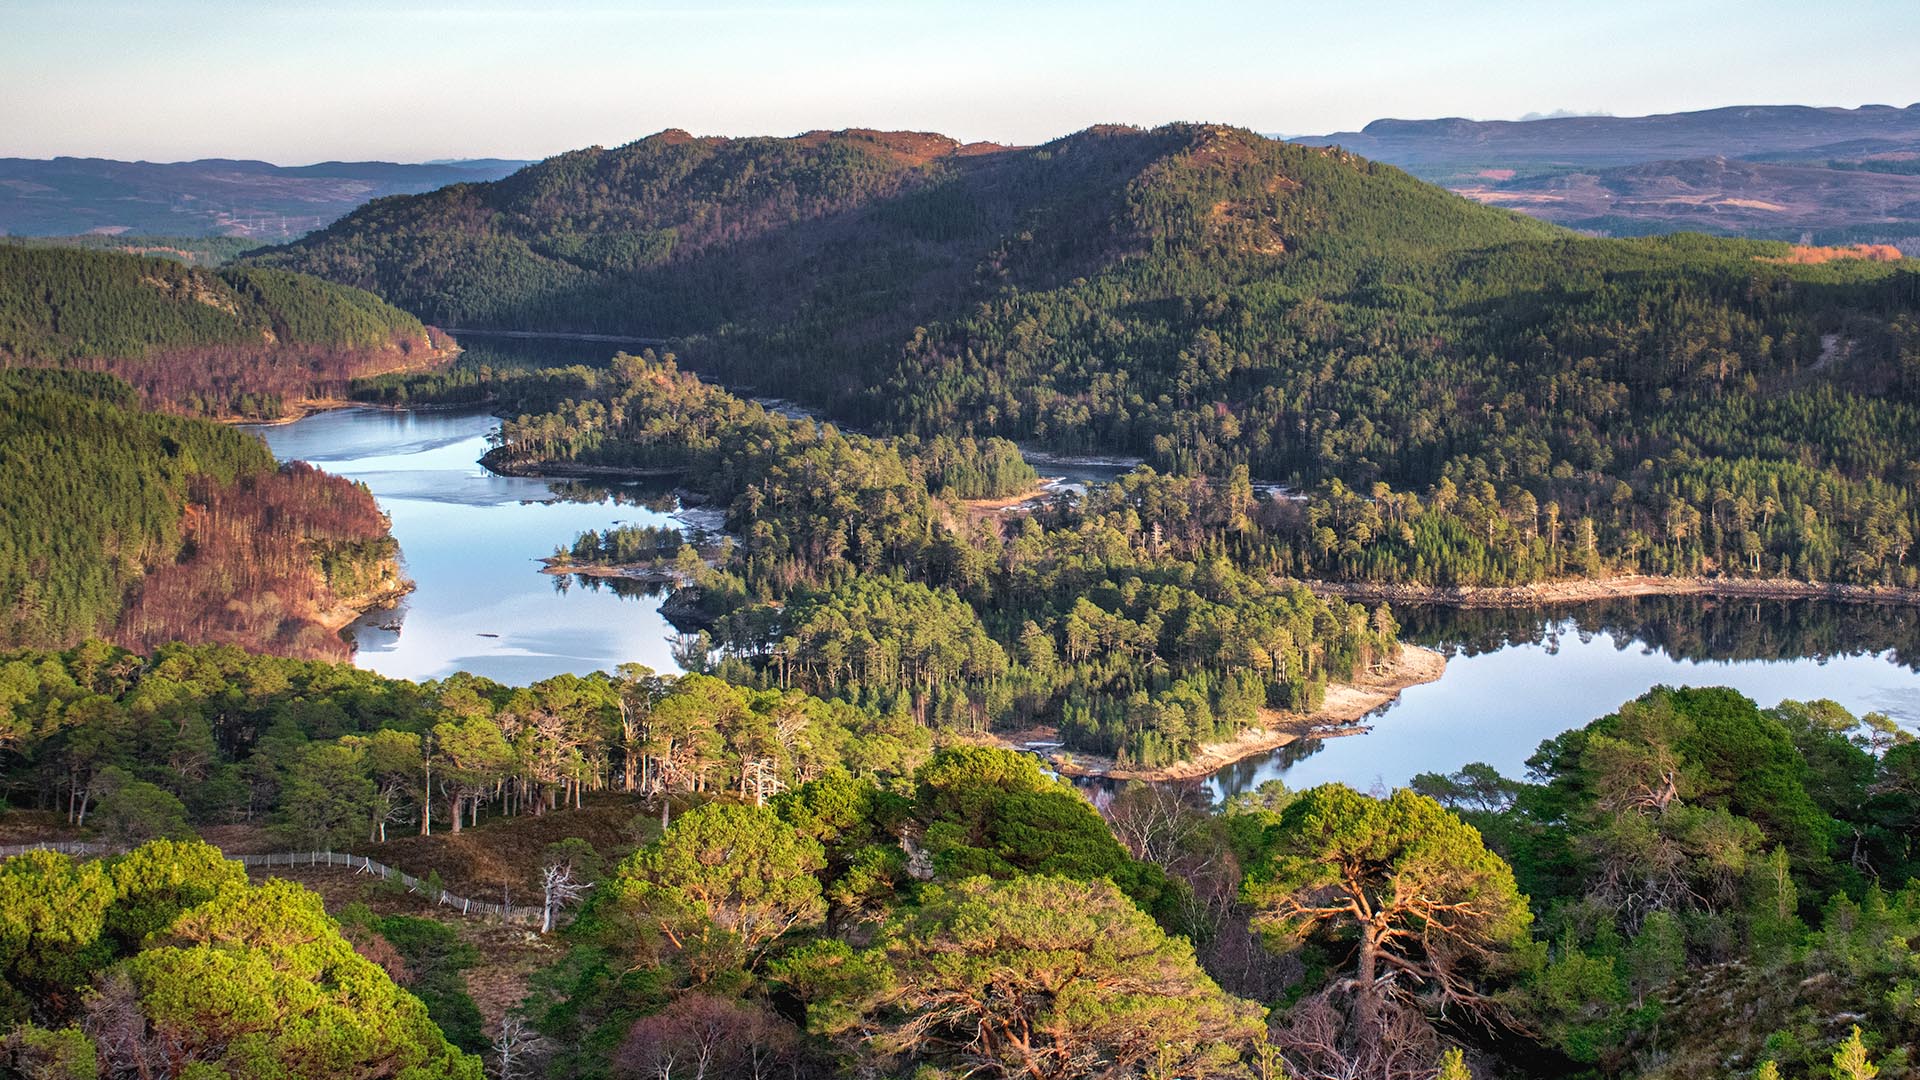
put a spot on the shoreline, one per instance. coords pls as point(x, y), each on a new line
point(304, 407)
point(557, 335)
point(351, 609)
point(1344, 706)
point(1039, 491)
point(307, 407)
point(626, 571)
point(551, 471)
point(1620, 587)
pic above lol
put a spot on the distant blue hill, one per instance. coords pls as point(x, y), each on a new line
point(211, 197)
point(1781, 172)
point(1439, 149)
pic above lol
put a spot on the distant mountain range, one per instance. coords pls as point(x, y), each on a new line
point(211, 197)
point(1782, 172)
point(1773, 171)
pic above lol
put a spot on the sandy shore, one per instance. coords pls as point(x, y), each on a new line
point(1613, 588)
point(1345, 704)
point(1039, 491)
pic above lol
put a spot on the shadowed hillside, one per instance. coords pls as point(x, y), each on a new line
point(829, 250)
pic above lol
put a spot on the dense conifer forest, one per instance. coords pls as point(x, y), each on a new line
point(148, 527)
point(1141, 623)
point(1536, 404)
point(826, 861)
point(230, 343)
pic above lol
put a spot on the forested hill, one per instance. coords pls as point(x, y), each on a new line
point(1207, 298)
point(146, 528)
point(853, 239)
point(239, 341)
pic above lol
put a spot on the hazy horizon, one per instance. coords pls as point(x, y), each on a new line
point(480, 156)
point(304, 81)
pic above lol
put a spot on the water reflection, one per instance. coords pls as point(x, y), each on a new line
point(471, 542)
point(1515, 678)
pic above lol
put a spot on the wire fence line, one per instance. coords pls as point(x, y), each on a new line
point(527, 914)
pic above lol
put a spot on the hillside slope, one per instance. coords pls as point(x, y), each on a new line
point(831, 248)
point(122, 523)
point(238, 341)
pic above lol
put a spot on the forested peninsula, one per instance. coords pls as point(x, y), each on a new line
point(147, 528)
point(1135, 624)
point(1466, 397)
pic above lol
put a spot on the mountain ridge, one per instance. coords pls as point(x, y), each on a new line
point(1847, 182)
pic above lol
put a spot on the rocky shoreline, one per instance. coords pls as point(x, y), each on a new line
point(348, 610)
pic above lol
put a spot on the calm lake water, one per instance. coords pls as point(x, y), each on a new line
point(471, 542)
point(1516, 678)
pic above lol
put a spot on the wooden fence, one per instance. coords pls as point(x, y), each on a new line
point(528, 914)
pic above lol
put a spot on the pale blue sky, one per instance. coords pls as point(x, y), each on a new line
point(302, 80)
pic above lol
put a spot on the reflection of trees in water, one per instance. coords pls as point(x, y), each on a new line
point(1685, 627)
point(653, 493)
point(1247, 773)
point(1101, 789)
point(625, 588)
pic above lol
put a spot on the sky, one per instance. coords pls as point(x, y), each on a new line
point(296, 81)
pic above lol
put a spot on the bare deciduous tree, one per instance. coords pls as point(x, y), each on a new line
point(517, 1049)
point(699, 1036)
point(560, 887)
point(119, 1030)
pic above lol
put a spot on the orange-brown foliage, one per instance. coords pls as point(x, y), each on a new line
point(1805, 255)
point(259, 382)
point(250, 571)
